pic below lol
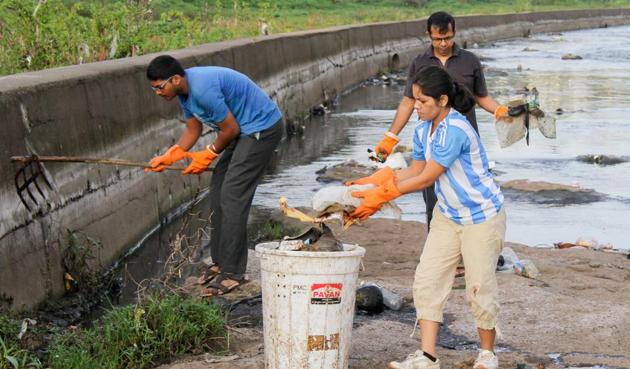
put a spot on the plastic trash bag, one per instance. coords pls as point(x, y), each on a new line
point(340, 198)
point(524, 114)
point(395, 161)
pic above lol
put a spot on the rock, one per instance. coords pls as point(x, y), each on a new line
point(546, 193)
point(496, 72)
point(318, 110)
point(601, 159)
point(344, 172)
point(370, 299)
point(571, 57)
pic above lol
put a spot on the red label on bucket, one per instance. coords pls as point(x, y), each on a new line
point(326, 293)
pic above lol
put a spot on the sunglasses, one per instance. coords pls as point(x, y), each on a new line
point(161, 85)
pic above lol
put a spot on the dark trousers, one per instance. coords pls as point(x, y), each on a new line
point(232, 187)
point(430, 199)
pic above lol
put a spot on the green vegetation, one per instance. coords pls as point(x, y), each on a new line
point(12, 354)
point(136, 336)
point(141, 336)
point(160, 326)
point(270, 230)
point(38, 34)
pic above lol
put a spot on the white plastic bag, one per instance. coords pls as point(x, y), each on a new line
point(342, 195)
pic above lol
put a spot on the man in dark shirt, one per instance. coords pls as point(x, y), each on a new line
point(463, 66)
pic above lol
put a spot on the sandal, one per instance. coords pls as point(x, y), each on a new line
point(209, 274)
point(217, 288)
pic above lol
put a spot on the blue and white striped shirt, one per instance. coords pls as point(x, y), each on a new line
point(466, 191)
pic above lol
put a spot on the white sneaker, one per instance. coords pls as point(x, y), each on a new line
point(417, 360)
point(486, 360)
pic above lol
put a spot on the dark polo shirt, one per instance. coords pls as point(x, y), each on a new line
point(463, 66)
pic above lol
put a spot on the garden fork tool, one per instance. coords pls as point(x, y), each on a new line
point(27, 176)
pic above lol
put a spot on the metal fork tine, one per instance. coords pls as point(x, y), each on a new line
point(20, 188)
point(39, 173)
point(28, 181)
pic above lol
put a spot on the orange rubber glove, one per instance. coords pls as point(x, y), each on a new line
point(173, 154)
point(500, 112)
point(374, 198)
point(386, 146)
point(201, 160)
point(377, 178)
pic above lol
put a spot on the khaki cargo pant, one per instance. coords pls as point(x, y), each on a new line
point(479, 245)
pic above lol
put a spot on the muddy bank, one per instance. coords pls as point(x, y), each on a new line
point(574, 315)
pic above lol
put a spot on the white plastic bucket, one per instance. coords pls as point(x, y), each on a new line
point(308, 306)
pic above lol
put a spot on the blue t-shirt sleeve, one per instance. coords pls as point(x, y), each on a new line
point(449, 145)
point(213, 102)
point(418, 147)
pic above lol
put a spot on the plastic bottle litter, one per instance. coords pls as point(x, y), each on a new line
point(526, 268)
point(391, 299)
point(509, 259)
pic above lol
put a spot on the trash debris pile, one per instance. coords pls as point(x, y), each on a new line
point(330, 203)
point(509, 261)
point(372, 298)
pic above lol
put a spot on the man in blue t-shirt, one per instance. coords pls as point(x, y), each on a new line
point(249, 128)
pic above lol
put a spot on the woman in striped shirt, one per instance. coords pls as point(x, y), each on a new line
point(468, 221)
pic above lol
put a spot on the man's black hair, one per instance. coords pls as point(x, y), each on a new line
point(164, 67)
point(441, 20)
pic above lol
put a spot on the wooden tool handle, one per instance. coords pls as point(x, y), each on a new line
point(79, 159)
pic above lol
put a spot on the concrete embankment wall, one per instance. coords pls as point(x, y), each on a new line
point(108, 110)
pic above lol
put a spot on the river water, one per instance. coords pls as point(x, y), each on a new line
point(593, 94)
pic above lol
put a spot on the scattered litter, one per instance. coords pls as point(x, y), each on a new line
point(509, 259)
point(211, 359)
point(571, 57)
point(24, 328)
point(391, 299)
point(587, 243)
point(526, 268)
point(316, 238)
point(511, 262)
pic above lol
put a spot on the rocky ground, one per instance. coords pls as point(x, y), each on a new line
point(574, 315)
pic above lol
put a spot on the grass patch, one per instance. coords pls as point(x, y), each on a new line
point(12, 354)
point(141, 336)
point(270, 230)
point(44, 34)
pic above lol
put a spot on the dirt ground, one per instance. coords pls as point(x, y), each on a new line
point(576, 314)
